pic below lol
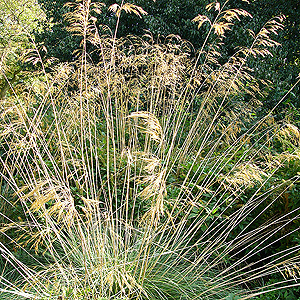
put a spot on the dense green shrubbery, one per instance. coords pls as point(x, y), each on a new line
point(175, 17)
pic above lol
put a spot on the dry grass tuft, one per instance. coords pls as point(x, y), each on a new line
point(135, 175)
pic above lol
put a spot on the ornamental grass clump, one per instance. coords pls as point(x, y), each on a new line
point(140, 172)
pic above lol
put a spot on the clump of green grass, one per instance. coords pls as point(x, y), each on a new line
point(144, 175)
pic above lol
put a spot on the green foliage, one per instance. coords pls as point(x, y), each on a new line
point(283, 68)
point(164, 18)
point(175, 17)
point(17, 21)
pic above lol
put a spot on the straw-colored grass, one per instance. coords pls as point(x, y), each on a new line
point(136, 172)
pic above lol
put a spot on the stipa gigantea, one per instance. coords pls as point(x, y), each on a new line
point(134, 179)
